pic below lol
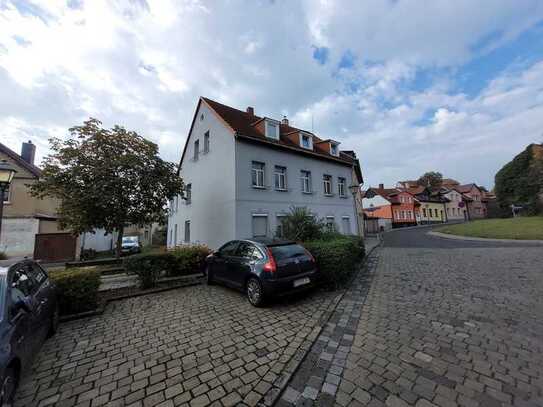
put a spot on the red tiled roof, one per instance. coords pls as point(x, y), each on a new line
point(19, 160)
point(465, 188)
point(243, 124)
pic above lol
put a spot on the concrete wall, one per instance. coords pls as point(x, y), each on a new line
point(271, 202)
point(18, 236)
point(211, 212)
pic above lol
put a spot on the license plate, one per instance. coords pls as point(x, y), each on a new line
point(301, 281)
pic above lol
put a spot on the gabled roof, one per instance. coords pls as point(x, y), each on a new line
point(19, 160)
point(466, 188)
point(243, 126)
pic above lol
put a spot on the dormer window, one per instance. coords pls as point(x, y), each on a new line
point(306, 141)
point(272, 129)
point(334, 149)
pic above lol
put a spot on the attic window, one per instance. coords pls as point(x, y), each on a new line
point(333, 149)
point(272, 129)
point(306, 141)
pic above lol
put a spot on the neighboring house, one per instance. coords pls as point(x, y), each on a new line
point(432, 206)
point(456, 207)
point(30, 225)
point(401, 205)
point(476, 206)
point(243, 172)
point(377, 210)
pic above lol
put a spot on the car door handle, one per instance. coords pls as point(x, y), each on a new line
point(43, 302)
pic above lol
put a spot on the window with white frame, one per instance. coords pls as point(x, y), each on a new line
point(306, 141)
point(187, 231)
point(305, 176)
point(334, 149)
point(327, 184)
point(260, 225)
point(6, 195)
point(196, 149)
point(280, 178)
point(341, 186)
point(272, 130)
point(330, 223)
point(206, 142)
point(279, 229)
point(188, 194)
point(346, 224)
point(257, 174)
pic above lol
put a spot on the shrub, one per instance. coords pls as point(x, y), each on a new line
point(190, 259)
point(87, 254)
point(336, 258)
point(300, 225)
point(77, 289)
point(150, 267)
point(180, 261)
point(3, 256)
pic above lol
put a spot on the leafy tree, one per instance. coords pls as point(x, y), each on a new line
point(431, 179)
point(521, 180)
point(300, 225)
point(107, 178)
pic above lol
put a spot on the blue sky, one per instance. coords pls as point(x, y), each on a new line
point(460, 92)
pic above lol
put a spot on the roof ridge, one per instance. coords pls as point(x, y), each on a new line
point(16, 157)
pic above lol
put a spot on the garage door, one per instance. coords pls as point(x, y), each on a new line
point(54, 247)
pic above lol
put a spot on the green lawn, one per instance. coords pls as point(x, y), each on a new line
point(525, 228)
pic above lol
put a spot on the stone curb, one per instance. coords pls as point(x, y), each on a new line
point(281, 383)
point(483, 239)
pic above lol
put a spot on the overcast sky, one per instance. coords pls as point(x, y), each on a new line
point(411, 86)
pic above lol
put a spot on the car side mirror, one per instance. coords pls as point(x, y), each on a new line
point(24, 304)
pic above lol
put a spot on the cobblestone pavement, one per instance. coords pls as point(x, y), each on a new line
point(445, 323)
point(196, 346)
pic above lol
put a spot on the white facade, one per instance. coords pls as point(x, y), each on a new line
point(224, 203)
point(455, 212)
point(18, 236)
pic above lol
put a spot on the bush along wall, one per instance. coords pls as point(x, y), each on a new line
point(77, 290)
point(337, 258)
point(180, 261)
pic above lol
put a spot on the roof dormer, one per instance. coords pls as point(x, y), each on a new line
point(330, 146)
point(306, 140)
point(271, 128)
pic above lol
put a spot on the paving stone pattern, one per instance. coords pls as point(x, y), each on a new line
point(196, 346)
point(441, 326)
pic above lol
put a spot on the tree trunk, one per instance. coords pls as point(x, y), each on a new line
point(120, 232)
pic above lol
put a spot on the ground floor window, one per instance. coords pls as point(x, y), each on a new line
point(279, 230)
point(330, 223)
point(260, 225)
point(187, 231)
point(346, 224)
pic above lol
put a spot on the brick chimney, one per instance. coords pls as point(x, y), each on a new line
point(251, 110)
point(381, 186)
point(284, 121)
point(28, 152)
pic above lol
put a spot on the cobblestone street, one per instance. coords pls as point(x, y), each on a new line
point(194, 346)
point(445, 323)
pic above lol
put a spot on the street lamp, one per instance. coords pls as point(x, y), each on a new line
point(355, 188)
point(6, 175)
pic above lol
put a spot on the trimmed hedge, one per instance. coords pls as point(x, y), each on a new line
point(180, 261)
point(77, 290)
point(336, 258)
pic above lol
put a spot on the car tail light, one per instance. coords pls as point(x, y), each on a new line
point(270, 265)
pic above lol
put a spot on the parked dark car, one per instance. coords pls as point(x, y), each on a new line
point(262, 269)
point(130, 245)
point(29, 314)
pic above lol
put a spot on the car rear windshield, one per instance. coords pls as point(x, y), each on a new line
point(287, 251)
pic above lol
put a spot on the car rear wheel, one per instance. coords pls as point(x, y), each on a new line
point(209, 276)
point(9, 384)
point(255, 294)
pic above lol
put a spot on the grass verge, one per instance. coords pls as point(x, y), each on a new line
point(521, 228)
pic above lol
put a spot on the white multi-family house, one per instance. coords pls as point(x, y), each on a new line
point(243, 173)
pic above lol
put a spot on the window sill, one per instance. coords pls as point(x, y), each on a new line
point(307, 192)
point(259, 187)
point(343, 196)
point(282, 189)
point(329, 195)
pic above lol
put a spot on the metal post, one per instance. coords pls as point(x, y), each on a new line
point(2, 190)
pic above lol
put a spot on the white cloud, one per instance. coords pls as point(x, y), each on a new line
point(144, 64)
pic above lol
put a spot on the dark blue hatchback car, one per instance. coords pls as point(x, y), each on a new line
point(28, 313)
point(262, 268)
